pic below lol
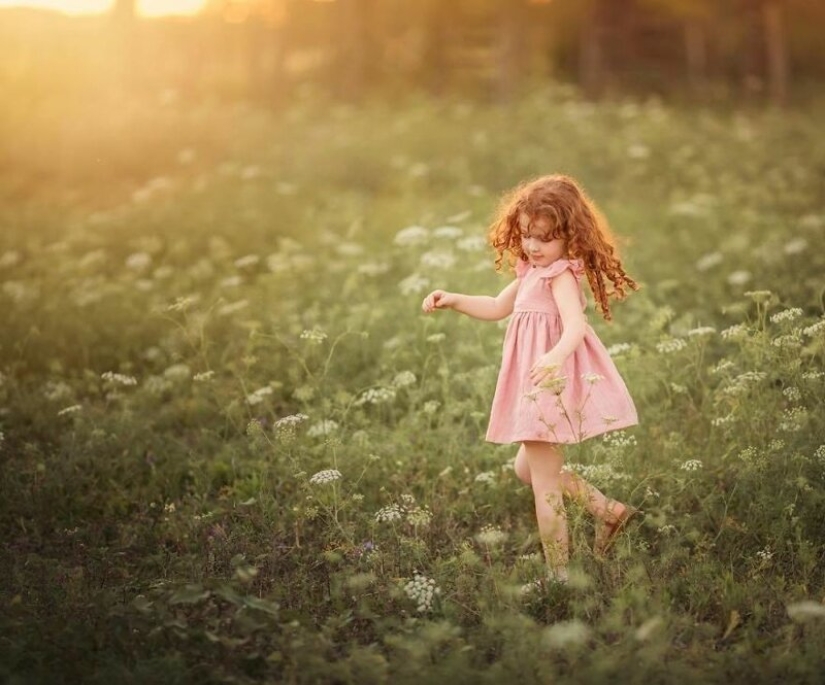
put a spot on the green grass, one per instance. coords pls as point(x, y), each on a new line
point(244, 267)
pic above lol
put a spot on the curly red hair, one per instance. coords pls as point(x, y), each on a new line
point(562, 205)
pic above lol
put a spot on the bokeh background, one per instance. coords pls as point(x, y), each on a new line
point(233, 449)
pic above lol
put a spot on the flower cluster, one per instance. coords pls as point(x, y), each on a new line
point(619, 439)
point(813, 329)
point(414, 284)
point(691, 465)
point(793, 419)
point(422, 591)
point(491, 536)
point(70, 410)
point(288, 422)
point(412, 235)
point(592, 378)
point(738, 330)
point(670, 346)
point(404, 379)
point(619, 349)
point(376, 396)
point(118, 378)
point(390, 513)
point(203, 376)
point(314, 336)
point(701, 330)
point(786, 315)
point(325, 476)
point(322, 428)
point(486, 477)
point(258, 396)
point(743, 381)
point(791, 340)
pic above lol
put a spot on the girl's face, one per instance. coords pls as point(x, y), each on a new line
point(538, 243)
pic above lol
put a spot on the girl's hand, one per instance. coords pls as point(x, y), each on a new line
point(545, 370)
point(438, 299)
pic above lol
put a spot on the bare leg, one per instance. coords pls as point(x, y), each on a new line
point(545, 461)
point(576, 488)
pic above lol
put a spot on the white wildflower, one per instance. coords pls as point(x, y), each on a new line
point(404, 379)
point(806, 610)
point(813, 375)
point(436, 259)
point(691, 465)
point(789, 341)
point(722, 366)
point(795, 246)
point(701, 330)
point(436, 338)
point(734, 332)
point(419, 517)
point(491, 536)
point(181, 304)
point(722, 420)
point(118, 378)
point(412, 235)
point(792, 393)
point(422, 591)
point(322, 428)
point(759, 296)
point(70, 410)
point(472, 243)
point(373, 268)
point(325, 476)
point(247, 261)
point(375, 396)
point(290, 421)
point(414, 285)
point(486, 477)
point(448, 232)
point(739, 277)
point(203, 376)
point(258, 396)
point(230, 282)
point(177, 372)
point(315, 335)
point(814, 329)
point(431, 407)
point(820, 454)
point(638, 151)
point(671, 345)
point(139, 261)
point(390, 513)
point(232, 307)
point(619, 349)
point(793, 419)
point(9, 258)
point(592, 378)
point(786, 315)
point(708, 261)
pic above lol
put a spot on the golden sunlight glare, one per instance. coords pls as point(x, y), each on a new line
point(143, 8)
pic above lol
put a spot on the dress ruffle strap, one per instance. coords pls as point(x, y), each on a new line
point(561, 265)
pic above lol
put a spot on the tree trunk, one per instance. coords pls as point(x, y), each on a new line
point(513, 43)
point(776, 51)
point(591, 70)
point(696, 56)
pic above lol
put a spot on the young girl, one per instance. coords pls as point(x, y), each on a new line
point(557, 384)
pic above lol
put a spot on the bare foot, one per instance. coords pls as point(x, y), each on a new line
point(608, 529)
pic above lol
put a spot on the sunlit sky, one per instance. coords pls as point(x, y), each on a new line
point(145, 8)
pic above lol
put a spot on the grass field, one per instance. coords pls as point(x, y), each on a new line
point(233, 449)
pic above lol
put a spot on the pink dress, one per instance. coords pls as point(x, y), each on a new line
point(588, 396)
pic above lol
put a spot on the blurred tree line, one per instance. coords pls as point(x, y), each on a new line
point(263, 49)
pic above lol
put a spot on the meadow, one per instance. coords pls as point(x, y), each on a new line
point(235, 451)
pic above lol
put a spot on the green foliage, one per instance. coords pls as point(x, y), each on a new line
point(234, 450)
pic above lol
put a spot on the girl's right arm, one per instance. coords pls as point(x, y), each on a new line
point(481, 307)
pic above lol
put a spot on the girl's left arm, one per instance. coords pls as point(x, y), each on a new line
point(574, 326)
